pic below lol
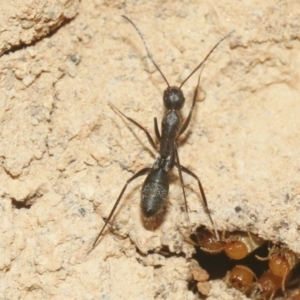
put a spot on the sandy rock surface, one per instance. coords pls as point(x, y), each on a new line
point(65, 153)
point(25, 22)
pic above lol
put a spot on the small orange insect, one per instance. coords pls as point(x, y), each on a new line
point(281, 262)
point(266, 286)
point(237, 245)
point(241, 278)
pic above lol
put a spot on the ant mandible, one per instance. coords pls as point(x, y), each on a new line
point(156, 185)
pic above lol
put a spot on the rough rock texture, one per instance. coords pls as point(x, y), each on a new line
point(65, 154)
point(24, 22)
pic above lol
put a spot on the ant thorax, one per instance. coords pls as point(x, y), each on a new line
point(169, 130)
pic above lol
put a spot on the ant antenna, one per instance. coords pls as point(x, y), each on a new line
point(146, 47)
point(156, 66)
point(207, 56)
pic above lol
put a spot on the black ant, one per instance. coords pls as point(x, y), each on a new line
point(156, 185)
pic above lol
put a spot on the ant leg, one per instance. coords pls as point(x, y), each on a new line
point(188, 119)
point(136, 175)
point(136, 124)
point(187, 171)
point(181, 180)
point(156, 130)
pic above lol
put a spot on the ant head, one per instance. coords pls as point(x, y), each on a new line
point(173, 98)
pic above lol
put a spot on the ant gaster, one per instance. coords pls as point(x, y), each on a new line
point(156, 185)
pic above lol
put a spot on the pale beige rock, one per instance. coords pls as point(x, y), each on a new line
point(24, 22)
point(200, 274)
point(65, 154)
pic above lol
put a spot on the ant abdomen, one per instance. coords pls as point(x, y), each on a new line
point(154, 192)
